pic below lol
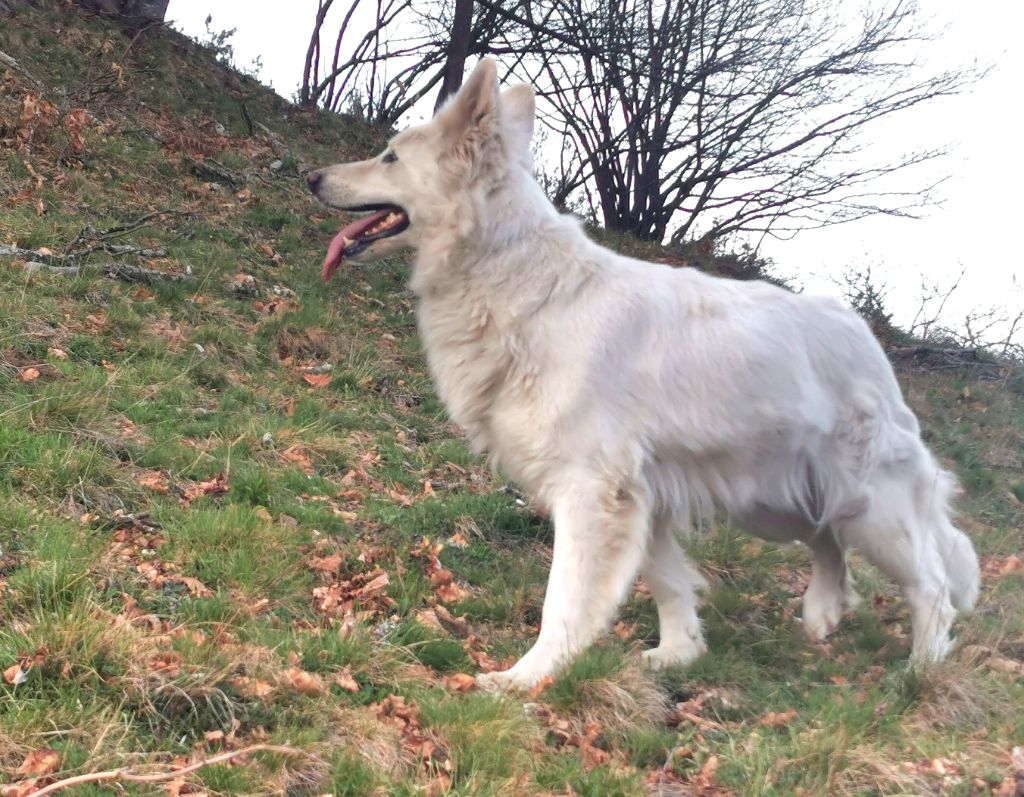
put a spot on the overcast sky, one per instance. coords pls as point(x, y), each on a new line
point(976, 228)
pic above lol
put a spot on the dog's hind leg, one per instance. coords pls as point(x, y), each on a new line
point(601, 532)
point(830, 592)
point(907, 533)
point(673, 581)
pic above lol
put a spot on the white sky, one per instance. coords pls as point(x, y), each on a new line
point(975, 228)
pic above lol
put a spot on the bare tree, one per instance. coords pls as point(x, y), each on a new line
point(715, 116)
point(458, 49)
point(386, 67)
point(681, 118)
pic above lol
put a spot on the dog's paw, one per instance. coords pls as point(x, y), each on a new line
point(821, 619)
point(931, 650)
point(661, 657)
point(506, 681)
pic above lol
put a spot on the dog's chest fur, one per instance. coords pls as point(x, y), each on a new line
point(481, 366)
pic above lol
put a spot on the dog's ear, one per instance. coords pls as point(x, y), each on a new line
point(471, 117)
point(518, 109)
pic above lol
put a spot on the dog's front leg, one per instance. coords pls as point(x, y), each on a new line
point(600, 537)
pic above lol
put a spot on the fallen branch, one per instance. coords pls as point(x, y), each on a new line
point(118, 249)
point(90, 233)
point(121, 271)
point(6, 250)
point(126, 271)
point(209, 169)
point(158, 777)
point(12, 63)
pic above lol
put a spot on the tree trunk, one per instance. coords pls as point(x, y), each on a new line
point(458, 49)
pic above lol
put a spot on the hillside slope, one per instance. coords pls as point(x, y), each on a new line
point(232, 512)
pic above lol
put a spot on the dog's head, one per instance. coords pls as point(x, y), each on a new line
point(424, 182)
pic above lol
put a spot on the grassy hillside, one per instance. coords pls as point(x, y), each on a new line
point(232, 512)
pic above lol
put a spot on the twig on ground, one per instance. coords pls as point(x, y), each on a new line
point(158, 777)
point(119, 249)
point(209, 169)
point(90, 233)
point(122, 271)
point(12, 63)
point(6, 250)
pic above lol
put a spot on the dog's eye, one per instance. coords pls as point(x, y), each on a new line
point(389, 157)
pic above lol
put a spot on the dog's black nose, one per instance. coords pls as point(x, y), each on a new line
point(313, 179)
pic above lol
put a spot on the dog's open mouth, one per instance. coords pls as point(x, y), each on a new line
point(383, 222)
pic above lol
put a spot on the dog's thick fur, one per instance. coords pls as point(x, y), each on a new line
point(631, 398)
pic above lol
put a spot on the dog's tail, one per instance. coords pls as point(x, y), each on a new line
point(963, 574)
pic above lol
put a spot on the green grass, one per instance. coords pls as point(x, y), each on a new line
point(148, 613)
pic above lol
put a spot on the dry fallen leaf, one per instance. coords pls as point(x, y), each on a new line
point(327, 564)
point(305, 683)
point(298, 455)
point(20, 789)
point(535, 691)
point(153, 480)
point(251, 687)
point(29, 374)
point(39, 763)
point(778, 719)
point(428, 618)
point(196, 588)
point(317, 380)
point(345, 680)
point(459, 682)
point(218, 485)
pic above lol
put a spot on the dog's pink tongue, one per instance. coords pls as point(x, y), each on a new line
point(336, 248)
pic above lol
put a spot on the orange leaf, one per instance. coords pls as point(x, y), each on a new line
point(706, 777)
point(153, 480)
point(778, 719)
point(196, 587)
point(460, 682)
point(428, 619)
point(535, 691)
point(39, 763)
point(251, 687)
point(345, 680)
point(20, 789)
point(264, 248)
point(29, 374)
point(378, 584)
point(327, 564)
point(305, 683)
point(317, 380)
point(218, 485)
point(297, 454)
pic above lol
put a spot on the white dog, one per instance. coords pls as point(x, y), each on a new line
point(632, 398)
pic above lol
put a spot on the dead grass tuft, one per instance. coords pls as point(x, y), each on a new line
point(626, 701)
